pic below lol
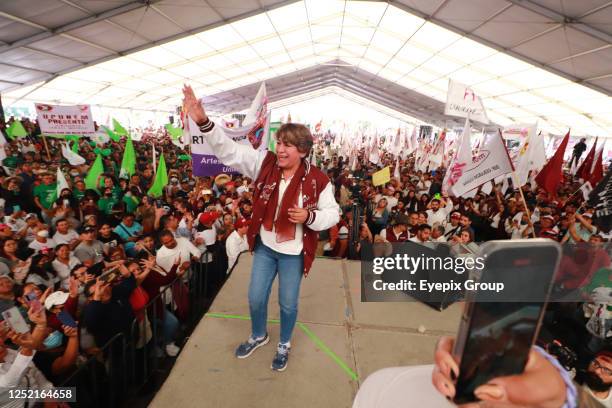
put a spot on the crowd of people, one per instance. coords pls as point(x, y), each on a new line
point(101, 254)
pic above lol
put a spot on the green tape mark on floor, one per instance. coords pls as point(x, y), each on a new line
point(318, 342)
point(327, 351)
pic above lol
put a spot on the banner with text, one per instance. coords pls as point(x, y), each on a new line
point(65, 120)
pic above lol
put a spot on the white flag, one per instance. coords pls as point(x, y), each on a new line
point(492, 161)
point(460, 162)
point(462, 101)
point(530, 155)
point(396, 172)
point(586, 189)
point(73, 158)
point(61, 182)
point(374, 156)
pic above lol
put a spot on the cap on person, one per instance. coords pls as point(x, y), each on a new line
point(456, 215)
point(56, 299)
point(30, 216)
point(242, 222)
point(8, 277)
point(549, 217)
point(88, 229)
point(221, 179)
point(207, 192)
point(207, 217)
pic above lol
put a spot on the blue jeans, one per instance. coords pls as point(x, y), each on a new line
point(266, 264)
point(169, 327)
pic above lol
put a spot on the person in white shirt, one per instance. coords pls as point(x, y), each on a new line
point(236, 243)
point(42, 242)
point(65, 235)
point(438, 211)
point(63, 264)
point(292, 201)
point(173, 248)
point(422, 235)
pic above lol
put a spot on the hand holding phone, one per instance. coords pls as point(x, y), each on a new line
point(15, 320)
point(505, 391)
point(65, 318)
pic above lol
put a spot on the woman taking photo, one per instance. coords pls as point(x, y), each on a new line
point(292, 201)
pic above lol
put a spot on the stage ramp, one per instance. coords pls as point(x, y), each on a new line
point(337, 343)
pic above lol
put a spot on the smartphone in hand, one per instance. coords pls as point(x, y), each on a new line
point(33, 302)
point(15, 320)
point(65, 318)
point(496, 337)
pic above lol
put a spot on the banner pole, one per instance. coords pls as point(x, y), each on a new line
point(524, 203)
point(46, 147)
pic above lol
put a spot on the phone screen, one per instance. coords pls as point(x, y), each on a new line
point(495, 338)
point(33, 301)
point(16, 320)
point(65, 318)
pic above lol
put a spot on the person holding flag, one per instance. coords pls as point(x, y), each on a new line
point(292, 201)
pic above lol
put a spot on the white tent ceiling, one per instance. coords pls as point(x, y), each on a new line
point(545, 60)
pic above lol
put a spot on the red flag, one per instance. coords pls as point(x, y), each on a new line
point(584, 171)
point(597, 173)
point(550, 176)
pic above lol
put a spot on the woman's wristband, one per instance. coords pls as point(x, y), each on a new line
point(207, 126)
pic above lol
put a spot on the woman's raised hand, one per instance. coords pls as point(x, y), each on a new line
point(192, 106)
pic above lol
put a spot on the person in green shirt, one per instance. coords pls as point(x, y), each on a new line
point(79, 190)
point(107, 201)
point(45, 195)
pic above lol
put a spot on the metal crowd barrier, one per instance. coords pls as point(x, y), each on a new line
point(123, 367)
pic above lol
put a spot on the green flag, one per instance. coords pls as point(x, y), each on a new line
point(75, 147)
point(174, 132)
point(120, 130)
point(161, 179)
point(94, 171)
point(114, 137)
point(128, 163)
point(16, 130)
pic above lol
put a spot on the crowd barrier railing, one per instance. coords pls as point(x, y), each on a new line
point(126, 364)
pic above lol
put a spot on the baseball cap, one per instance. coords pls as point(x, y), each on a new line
point(88, 229)
point(30, 216)
point(56, 299)
point(209, 192)
point(242, 222)
point(208, 217)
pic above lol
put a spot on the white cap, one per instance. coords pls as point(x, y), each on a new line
point(56, 299)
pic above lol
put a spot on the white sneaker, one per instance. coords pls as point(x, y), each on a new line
point(172, 350)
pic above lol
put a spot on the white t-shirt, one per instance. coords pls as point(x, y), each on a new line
point(183, 249)
point(63, 270)
point(65, 238)
point(234, 245)
point(38, 246)
point(606, 402)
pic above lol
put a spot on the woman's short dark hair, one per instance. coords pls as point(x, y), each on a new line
point(297, 135)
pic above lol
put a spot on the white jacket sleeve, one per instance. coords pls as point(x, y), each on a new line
point(17, 369)
point(243, 158)
point(327, 213)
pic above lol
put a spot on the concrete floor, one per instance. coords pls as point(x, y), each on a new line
point(337, 344)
